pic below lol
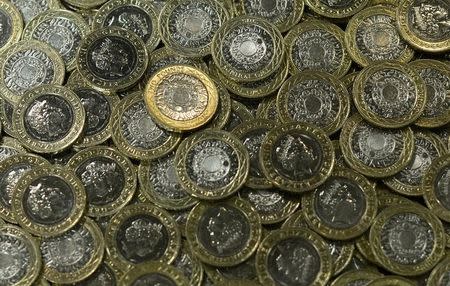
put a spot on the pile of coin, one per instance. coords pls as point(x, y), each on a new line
point(225, 142)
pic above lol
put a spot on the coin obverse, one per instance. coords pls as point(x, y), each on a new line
point(154, 273)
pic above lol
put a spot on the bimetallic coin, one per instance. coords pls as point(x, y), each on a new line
point(26, 65)
point(6, 114)
point(317, 46)
point(339, 160)
point(435, 184)
point(212, 164)
point(73, 255)
point(11, 170)
point(407, 239)
point(181, 98)
point(48, 119)
point(239, 114)
point(389, 94)
point(245, 271)
point(297, 157)
point(103, 276)
point(373, 151)
point(180, 216)
point(223, 112)
point(136, 134)
point(48, 201)
point(336, 8)
point(189, 265)
point(440, 274)
point(11, 23)
point(154, 273)
point(343, 207)
point(391, 281)
point(372, 36)
point(188, 26)
point(348, 81)
point(112, 58)
point(141, 233)
point(436, 76)
point(85, 4)
point(63, 30)
point(9, 147)
point(247, 49)
point(427, 147)
point(108, 176)
point(316, 98)
point(425, 24)
point(356, 278)
point(295, 256)
point(225, 233)
point(31, 8)
point(267, 109)
point(137, 16)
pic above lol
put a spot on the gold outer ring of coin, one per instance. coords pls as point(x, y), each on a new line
point(408, 269)
point(223, 111)
point(16, 23)
point(156, 268)
point(370, 211)
point(391, 281)
point(320, 8)
point(429, 187)
point(44, 230)
point(78, 113)
point(221, 192)
point(288, 184)
point(240, 111)
point(355, 275)
point(85, 4)
point(19, 159)
point(172, 123)
point(277, 236)
point(352, 30)
point(55, 276)
point(290, 40)
point(30, 243)
point(52, 54)
point(173, 245)
point(376, 119)
point(192, 226)
point(412, 38)
point(345, 141)
point(439, 271)
point(121, 161)
point(283, 101)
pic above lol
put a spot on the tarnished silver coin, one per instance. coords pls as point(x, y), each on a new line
point(103, 276)
point(32, 8)
point(189, 265)
point(11, 23)
point(238, 115)
point(245, 271)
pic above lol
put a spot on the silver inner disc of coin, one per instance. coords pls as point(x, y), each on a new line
point(252, 141)
point(442, 187)
point(31, 8)
point(184, 263)
point(268, 202)
point(8, 182)
point(15, 259)
point(438, 85)
point(103, 276)
point(98, 110)
point(430, 20)
point(6, 23)
point(132, 18)
point(275, 11)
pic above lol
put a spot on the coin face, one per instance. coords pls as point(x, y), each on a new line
point(356, 278)
point(103, 276)
point(424, 24)
point(112, 58)
point(297, 157)
point(239, 114)
point(48, 201)
point(181, 98)
point(372, 35)
point(436, 189)
point(247, 49)
point(73, 255)
point(31, 8)
point(407, 240)
point(12, 24)
point(336, 8)
point(317, 46)
point(225, 233)
point(189, 265)
point(154, 273)
point(212, 164)
point(373, 151)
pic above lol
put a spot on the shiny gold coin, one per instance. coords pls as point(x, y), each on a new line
point(338, 10)
point(440, 273)
point(154, 273)
point(166, 100)
point(435, 189)
point(239, 114)
point(391, 281)
point(356, 277)
point(13, 24)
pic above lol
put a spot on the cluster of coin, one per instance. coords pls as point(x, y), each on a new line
point(225, 142)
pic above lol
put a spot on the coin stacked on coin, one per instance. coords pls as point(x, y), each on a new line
point(225, 142)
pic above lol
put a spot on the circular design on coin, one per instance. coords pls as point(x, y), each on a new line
point(73, 255)
point(11, 23)
point(31, 8)
point(435, 183)
point(212, 164)
point(63, 30)
point(136, 134)
point(315, 98)
point(48, 200)
point(26, 65)
point(293, 256)
point(389, 94)
point(297, 157)
point(48, 119)
point(181, 98)
point(108, 177)
point(356, 277)
point(141, 233)
point(436, 76)
point(137, 16)
point(336, 9)
point(373, 151)
point(188, 26)
point(239, 114)
point(154, 273)
point(391, 281)
point(440, 274)
point(220, 118)
point(407, 239)
point(21, 259)
point(160, 184)
point(11, 170)
point(225, 233)
point(247, 49)
point(317, 46)
point(424, 24)
point(343, 207)
point(372, 36)
point(112, 58)
point(427, 147)
point(252, 133)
